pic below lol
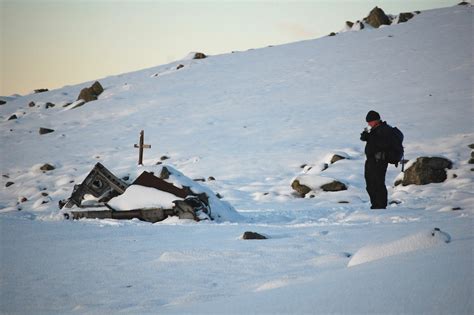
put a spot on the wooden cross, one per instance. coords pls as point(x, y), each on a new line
point(141, 146)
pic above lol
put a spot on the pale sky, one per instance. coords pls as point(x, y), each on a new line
point(49, 44)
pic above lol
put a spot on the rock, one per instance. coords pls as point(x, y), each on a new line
point(199, 55)
point(199, 179)
point(77, 104)
point(164, 158)
point(334, 186)
point(404, 17)
point(179, 67)
point(41, 90)
point(427, 170)
point(165, 173)
point(302, 190)
point(332, 34)
point(456, 208)
point(32, 104)
point(349, 24)
point(2, 102)
point(8, 184)
point(49, 105)
point(23, 199)
point(87, 95)
point(337, 157)
point(377, 17)
point(97, 88)
point(211, 178)
point(43, 131)
point(471, 160)
point(47, 167)
point(343, 201)
point(12, 117)
point(464, 3)
point(471, 146)
point(253, 236)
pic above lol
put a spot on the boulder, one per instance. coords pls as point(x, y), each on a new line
point(377, 17)
point(332, 34)
point(13, 117)
point(2, 102)
point(302, 190)
point(426, 170)
point(97, 88)
point(47, 167)
point(404, 17)
point(87, 95)
point(253, 236)
point(199, 55)
point(334, 186)
point(43, 131)
point(337, 157)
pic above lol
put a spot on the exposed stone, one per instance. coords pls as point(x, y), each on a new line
point(456, 208)
point(47, 167)
point(211, 178)
point(377, 17)
point(471, 160)
point(49, 105)
point(165, 173)
point(41, 90)
point(404, 17)
point(464, 3)
point(343, 201)
point(2, 102)
point(179, 66)
point(199, 55)
point(337, 157)
point(334, 186)
point(253, 236)
point(199, 179)
point(8, 184)
point(471, 146)
point(97, 88)
point(164, 158)
point(23, 199)
point(427, 170)
point(349, 24)
point(43, 131)
point(12, 117)
point(302, 190)
point(332, 34)
point(87, 95)
point(32, 104)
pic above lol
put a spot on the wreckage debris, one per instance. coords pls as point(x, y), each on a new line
point(104, 185)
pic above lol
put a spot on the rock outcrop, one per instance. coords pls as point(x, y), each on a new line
point(426, 170)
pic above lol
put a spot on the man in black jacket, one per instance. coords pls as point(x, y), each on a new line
point(378, 141)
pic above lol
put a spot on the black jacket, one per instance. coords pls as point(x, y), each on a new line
point(378, 140)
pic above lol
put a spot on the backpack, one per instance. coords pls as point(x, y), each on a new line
point(395, 152)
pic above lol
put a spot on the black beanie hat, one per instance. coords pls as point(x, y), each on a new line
point(372, 115)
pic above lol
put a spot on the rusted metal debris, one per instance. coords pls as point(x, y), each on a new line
point(102, 184)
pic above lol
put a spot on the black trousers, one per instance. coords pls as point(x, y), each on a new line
point(375, 183)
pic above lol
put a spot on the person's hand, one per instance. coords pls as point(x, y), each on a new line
point(364, 135)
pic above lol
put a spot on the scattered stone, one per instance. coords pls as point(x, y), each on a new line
point(343, 201)
point(377, 17)
point(44, 202)
point(164, 158)
point(179, 66)
point(44, 194)
point(49, 105)
point(43, 131)
point(41, 90)
point(219, 196)
point(471, 160)
point(2, 102)
point(303, 165)
point(394, 202)
point(91, 93)
point(67, 104)
point(457, 208)
point(32, 104)
point(336, 158)
point(12, 117)
point(464, 3)
point(47, 167)
point(6, 176)
point(427, 170)
point(199, 55)
point(349, 24)
point(404, 17)
point(125, 178)
point(8, 184)
point(471, 146)
point(23, 199)
point(332, 34)
point(334, 186)
point(77, 104)
point(211, 178)
point(165, 173)
point(302, 190)
point(253, 236)
point(199, 179)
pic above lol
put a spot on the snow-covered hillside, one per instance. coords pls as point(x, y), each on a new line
point(251, 120)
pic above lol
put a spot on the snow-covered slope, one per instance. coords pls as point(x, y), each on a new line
point(251, 120)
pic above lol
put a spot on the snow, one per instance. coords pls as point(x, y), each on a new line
point(140, 197)
point(251, 120)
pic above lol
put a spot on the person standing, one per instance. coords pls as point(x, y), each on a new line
point(377, 140)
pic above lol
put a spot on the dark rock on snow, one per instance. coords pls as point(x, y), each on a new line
point(336, 157)
point(41, 90)
point(426, 170)
point(12, 117)
point(47, 167)
point(404, 17)
point(377, 17)
point(334, 186)
point(32, 104)
point(49, 105)
point(199, 55)
point(302, 190)
point(43, 131)
point(91, 93)
point(2, 102)
point(8, 184)
point(253, 236)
